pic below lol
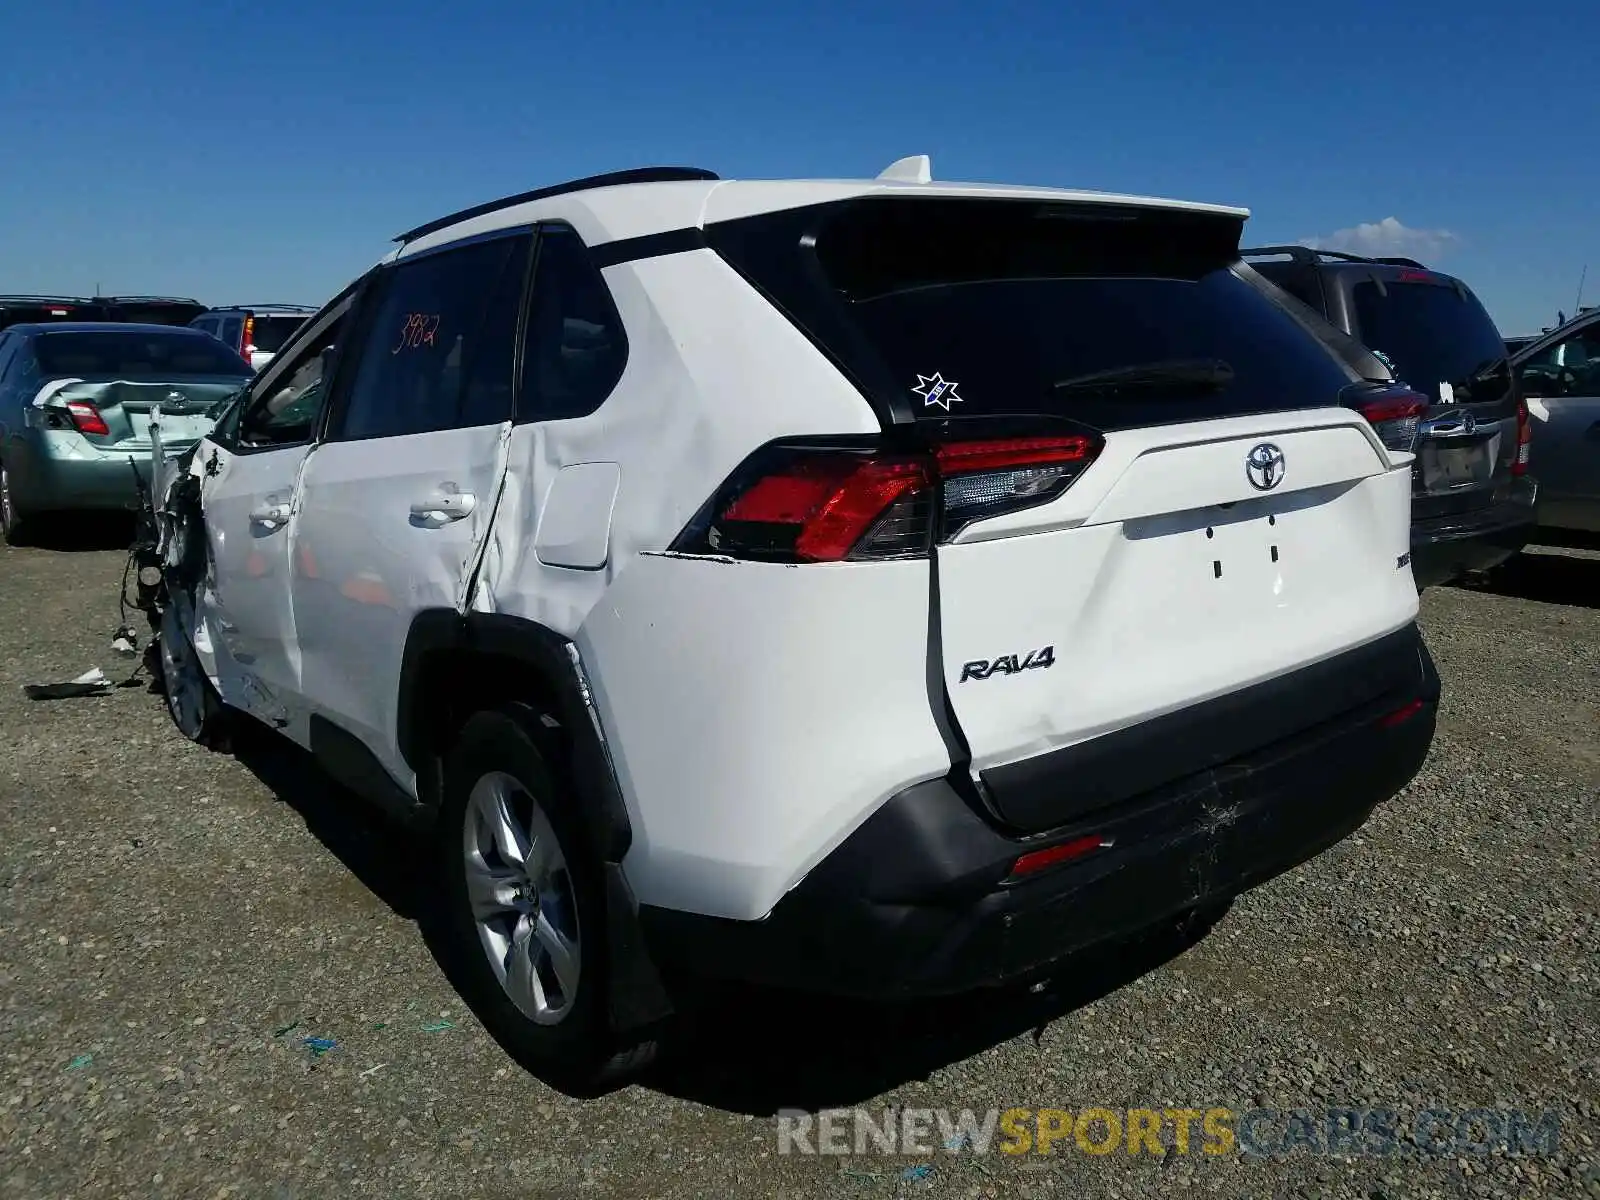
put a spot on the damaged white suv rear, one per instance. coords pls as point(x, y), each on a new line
point(886, 587)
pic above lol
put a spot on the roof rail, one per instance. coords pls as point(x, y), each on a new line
point(1309, 254)
point(147, 299)
point(296, 308)
point(610, 179)
point(36, 299)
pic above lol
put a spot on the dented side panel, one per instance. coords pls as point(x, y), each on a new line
point(710, 376)
point(384, 529)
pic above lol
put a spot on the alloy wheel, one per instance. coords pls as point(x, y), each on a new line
point(522, 898)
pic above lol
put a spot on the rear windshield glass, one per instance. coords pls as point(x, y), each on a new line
point(34, 314)
point(272, 332)
point(1115, 317)
point(1434, 334)
point(130, 353)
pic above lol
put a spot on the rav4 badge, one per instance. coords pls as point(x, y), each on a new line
point(1008, 664)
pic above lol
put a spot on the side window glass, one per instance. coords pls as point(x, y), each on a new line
point(232, 331)
point(438, 353)
point(1568, 368)
point(207, 325)
point(286, 414)
point(8, 349)
point(574, 348)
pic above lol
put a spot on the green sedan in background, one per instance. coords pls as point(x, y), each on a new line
point(76, 400)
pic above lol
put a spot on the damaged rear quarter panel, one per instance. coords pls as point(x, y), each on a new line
point(712, 373)
point(706, 660)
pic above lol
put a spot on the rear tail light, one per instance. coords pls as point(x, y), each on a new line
point(86, 417)
point(805, 504)
point(247, 342)
point(1519, 465)
point(1395, 418)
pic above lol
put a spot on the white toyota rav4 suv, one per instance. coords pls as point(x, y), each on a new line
point(881, 586)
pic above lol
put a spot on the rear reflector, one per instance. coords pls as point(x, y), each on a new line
point(803, 504)
point(1038, 860)
point(1519, 465)
point(1396, 417)
point(1401, 715)
point(86, 417)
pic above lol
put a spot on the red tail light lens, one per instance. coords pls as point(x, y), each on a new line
point(1519, 465)
point(821, 506)
point(810, 505)
point(1395, 418)
point(247, 342)
point(86, 417)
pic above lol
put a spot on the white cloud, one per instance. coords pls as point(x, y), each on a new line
point(1387, 238)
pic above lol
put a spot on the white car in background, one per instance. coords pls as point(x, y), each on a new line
point(256, 332)
point(884, 587)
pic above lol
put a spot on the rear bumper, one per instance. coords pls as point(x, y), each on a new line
point(1446, 548)
point(52, 476)
point(918, 900)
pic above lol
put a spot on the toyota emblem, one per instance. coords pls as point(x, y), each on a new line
point(1264, 466)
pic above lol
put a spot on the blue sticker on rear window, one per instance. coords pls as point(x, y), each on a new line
point(935, 389)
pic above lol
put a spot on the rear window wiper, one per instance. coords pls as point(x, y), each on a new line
point(1176, 374)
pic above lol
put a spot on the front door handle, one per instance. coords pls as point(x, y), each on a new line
point(448, 505)
point(272, 515)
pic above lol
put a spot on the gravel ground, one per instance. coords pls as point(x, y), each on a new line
point(174, 923)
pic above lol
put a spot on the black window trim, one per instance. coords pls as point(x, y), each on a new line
point(519, 416)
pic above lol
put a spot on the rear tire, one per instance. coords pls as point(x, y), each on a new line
point(192, 702)
point(14, 527)
point(523, 909)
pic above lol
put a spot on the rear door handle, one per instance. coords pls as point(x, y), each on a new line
point(447, 506)
point(272, 515)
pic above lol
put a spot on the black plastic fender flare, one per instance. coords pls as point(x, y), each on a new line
point(636, 996)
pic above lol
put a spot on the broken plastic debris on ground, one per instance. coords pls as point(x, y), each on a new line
point(92, 682)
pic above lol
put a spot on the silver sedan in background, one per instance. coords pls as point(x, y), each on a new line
point(1560, 376)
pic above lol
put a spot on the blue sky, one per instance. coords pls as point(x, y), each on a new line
point(267, 151)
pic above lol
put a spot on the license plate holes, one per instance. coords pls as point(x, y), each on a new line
point(1461, 466)
point(1244, 547)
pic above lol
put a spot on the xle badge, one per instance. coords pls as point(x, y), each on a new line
point(1008, 664)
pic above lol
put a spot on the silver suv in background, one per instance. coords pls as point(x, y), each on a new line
point(256, 332)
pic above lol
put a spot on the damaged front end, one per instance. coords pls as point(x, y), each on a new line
point(170, 546)
point(171, 554)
